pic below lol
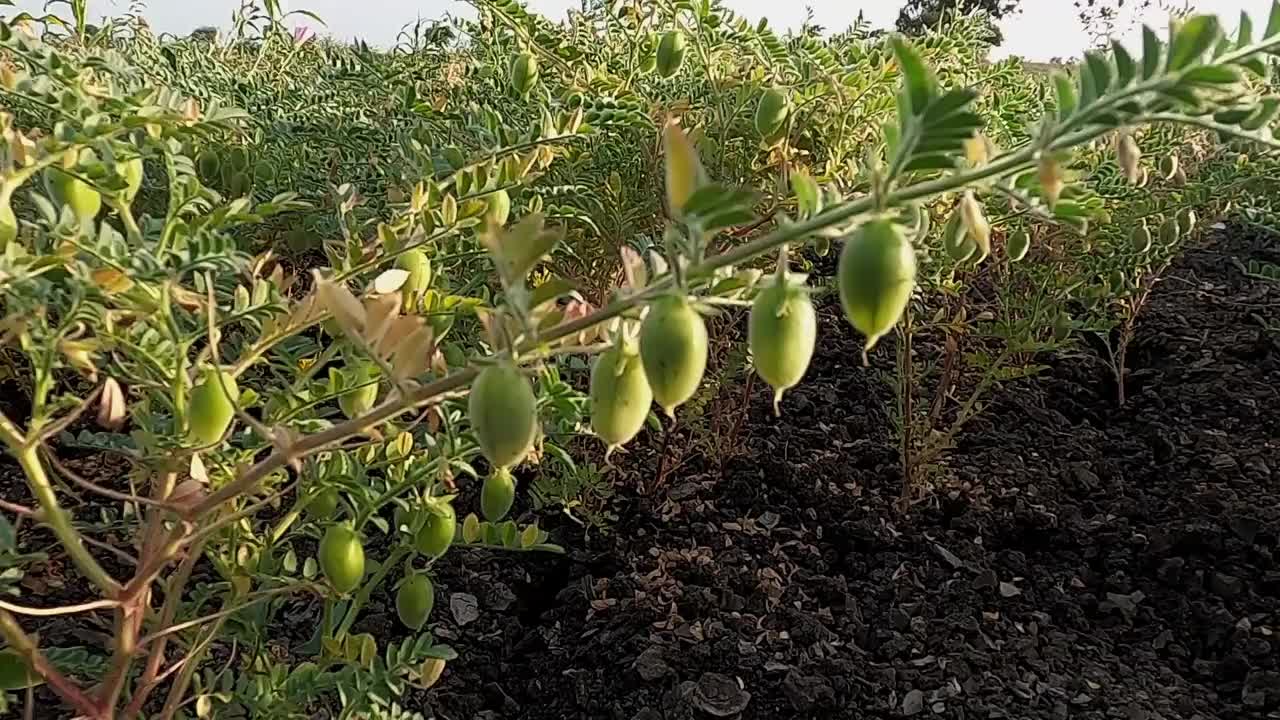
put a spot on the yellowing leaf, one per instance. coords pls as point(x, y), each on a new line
point(430, 671)
point(684, 171)
point(390, 281)
point(471, 528)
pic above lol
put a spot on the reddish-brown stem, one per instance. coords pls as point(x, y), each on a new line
point(61, 684)
point(155, 656)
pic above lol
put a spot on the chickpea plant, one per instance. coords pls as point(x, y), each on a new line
point(268, 418)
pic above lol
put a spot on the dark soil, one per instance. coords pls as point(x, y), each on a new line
point(1097, 562)
point(1077, 560)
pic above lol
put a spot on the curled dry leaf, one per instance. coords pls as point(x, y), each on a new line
point(414, 355)
point(111, 408)
point(197, 470)
point(635, 276)
point(1129, 155)
point(401, 327)
point(381, 312)
point(187, 494)
point(576, 309)
point(79, 354)
point(1050, 175)
point(338, 301)
point(975, 222)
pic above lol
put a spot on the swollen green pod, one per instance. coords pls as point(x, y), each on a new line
point(1018, 245)
point(670, 55)
point(323, 504)
point(524, 73)
point(504, 414)
point(876, 275)
point(1140, 238)
point(360, 400)
point(414, 600)
point(620, 396)
point(781, 332)
point(419, 267)
point(771, 113)
point(1186, 221)
point(499, 208)
point(956, 241)
point(209, 165)
point(497, 494)
point(438, 530)
point(210, 408)
point(673, 348)
point(67, 189)
point(1062, 327)
point(342, 558)
point(132, 171)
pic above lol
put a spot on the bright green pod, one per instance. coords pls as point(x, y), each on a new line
point(670, 57)
point(210, 409)
point(876, 275)
point(771, 113)
point(673, 348)
point(1018, 245)
point(414, 601)
point(497, 494)
point(342, 558)
point(620, 396)
point(504, 414)
point(524, 73)
point(499, 208)
point(438, 530)
point(782, 331)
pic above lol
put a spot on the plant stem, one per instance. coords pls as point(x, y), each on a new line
point(366, 591)
point(61, 684)
point(58, 519)
point(906, 389)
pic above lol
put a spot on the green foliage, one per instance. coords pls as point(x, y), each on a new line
point(451, 215)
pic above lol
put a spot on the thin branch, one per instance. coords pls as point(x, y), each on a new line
point(66, 421)
point(91, 486)
point(63, 610)
point(60, 683)
point(252, 600)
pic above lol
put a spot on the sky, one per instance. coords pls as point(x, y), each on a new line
point(1043, 30)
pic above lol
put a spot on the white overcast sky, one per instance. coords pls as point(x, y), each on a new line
point(1044, 29)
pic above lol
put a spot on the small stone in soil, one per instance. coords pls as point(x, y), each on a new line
point(985, 579)
point(807, 691)
point(499, 597)
point(464, 607)
point(913, 703)
point(1226, 585)
point(650, 665)
point(1246, 528)
point(719, 695)
point(1170, 570)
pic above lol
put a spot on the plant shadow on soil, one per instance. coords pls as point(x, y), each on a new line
point(1090, 562)
point(1099, 563)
